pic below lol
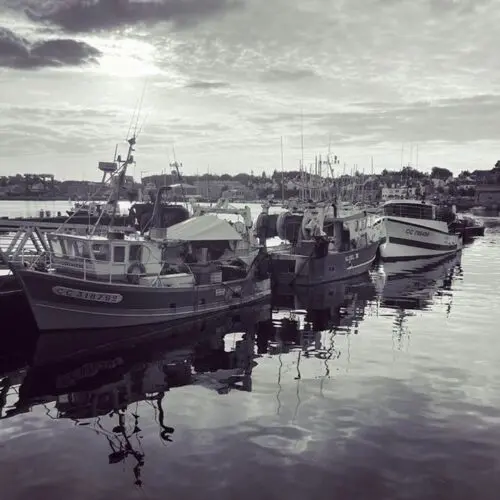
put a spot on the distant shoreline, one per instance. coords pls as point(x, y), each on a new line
point(32, 198)
point(36, 198)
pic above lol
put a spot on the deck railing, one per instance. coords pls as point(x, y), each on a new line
point(100, 270)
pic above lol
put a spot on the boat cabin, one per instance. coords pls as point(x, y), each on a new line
point(342, 234)
point(105, 259)
point(195, 248)
point(351, 232)
point(410, 209)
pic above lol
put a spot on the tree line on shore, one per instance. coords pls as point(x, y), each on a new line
point(265, 183)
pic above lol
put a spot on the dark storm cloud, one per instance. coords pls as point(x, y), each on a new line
point(89, 15)
point(17, 52)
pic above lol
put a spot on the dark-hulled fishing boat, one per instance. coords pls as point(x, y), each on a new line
point(206, 264)
point(320, 252)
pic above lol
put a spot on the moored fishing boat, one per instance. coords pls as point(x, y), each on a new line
point(412, 230)
point(85, 214)
point(469, 227)
point(104, 280)
point(320, 252)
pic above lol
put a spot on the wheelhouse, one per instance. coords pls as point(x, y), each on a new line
point(410, 210)
point(102, 258)
point(350, 232)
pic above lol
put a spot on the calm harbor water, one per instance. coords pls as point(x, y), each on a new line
point(14, 208)
point(387, 387)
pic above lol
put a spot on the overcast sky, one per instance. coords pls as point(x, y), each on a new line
point(224, 80)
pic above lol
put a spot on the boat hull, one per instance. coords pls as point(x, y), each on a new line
point(305, 270)
point(9, 286)
point(66, 303)
point(468, 227)
point(408, 239)
point(469, 233)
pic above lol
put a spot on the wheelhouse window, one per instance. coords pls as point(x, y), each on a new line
point(57, 246)
point(101, 251)
point(81, 249)
point(72, 249)
point(119, 254)
point(135, 253)
point(410, 210)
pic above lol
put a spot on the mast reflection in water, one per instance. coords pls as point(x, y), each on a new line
point(86, 375)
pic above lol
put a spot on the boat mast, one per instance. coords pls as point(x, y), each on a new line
point(121, 177)
point(177, 166)
point(114, 196)
point(282, 174)
point(302, 168)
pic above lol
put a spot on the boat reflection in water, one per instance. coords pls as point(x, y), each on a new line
point(84, 375)
point(308, 319)
point(413, 285)
point(330, 305)
point(407, 287)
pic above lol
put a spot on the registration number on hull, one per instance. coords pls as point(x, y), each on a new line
point(73, 293)
point(417, 232)
point(353, 256)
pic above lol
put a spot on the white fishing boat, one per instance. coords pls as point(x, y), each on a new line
point(412, 230)
point(206, 264)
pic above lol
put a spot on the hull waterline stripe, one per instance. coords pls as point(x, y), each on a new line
point(409, 258)
point(121, 314)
